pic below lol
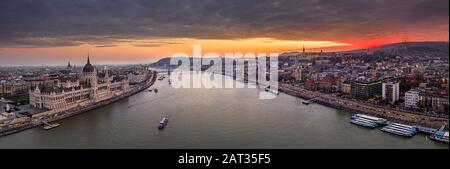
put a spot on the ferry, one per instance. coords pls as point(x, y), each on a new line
point(48, 126)
point(365, 120)
point(440, 136)
point(400, 129)
point(409, 131)
point(150, 90)
point(375, 119)
point(403, 126)
point(364, 123)
point(163, 123)
point(305, 102)
point(400, 133)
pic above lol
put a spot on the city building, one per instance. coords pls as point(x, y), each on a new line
point(346, 88)
point(412, 98)
point(440, 104)
point(44, 80)
point(298, 66)
point(391, 92)
point(327, 83)
point(366, 89)
point(135, 77)
point(12, 87)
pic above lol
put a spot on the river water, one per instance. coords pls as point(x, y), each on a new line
point(211, 118)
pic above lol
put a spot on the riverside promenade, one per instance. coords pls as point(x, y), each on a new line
point(353, 106)
point(37, 119)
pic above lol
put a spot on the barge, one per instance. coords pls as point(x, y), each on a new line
point(400, 129)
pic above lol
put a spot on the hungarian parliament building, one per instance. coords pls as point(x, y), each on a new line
point(90, 86)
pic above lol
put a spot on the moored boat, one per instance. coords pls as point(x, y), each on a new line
point(364, 123)
point(426, 130)
point(397, 132)
point(372, 118)
point(48, 126)
point(400, 129)
point(440, 136)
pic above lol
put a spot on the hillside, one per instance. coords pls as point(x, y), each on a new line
point(411, 48)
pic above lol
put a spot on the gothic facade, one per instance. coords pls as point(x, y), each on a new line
point(75, 90)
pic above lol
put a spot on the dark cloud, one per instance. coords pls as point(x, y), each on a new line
point(30, 23)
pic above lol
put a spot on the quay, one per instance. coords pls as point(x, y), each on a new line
point(362, 108)
point(32, 122)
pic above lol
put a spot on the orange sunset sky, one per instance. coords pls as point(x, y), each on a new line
point(116, 32)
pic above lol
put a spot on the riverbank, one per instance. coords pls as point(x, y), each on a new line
point(357, 107)
point(31, 123)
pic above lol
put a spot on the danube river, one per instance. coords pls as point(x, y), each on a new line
point(211, 118)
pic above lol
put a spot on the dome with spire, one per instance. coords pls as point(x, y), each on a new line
point(88, 68)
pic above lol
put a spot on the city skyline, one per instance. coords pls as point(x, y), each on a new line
point(52, 33)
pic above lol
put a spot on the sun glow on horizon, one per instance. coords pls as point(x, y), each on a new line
point(143, 50)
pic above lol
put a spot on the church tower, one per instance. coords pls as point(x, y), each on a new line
point(298, 66)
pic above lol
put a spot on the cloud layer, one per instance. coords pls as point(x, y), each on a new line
point(48, 23)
